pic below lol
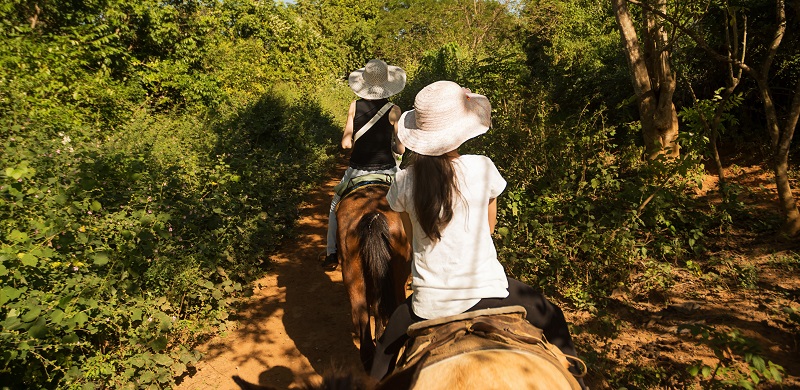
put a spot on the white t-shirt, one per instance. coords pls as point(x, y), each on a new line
point(453, 274)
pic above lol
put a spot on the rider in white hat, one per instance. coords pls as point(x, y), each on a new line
point(370, 131)
point(448, 201)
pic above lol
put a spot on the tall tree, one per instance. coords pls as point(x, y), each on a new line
point(780, 124)
point(652, 77)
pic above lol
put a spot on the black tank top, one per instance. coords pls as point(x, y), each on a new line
point(373, 150)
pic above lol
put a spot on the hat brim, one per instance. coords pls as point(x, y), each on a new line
point(395, 83)
point(449, 136)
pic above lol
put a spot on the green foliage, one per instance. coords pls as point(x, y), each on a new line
point(737, 273)
point(740, 363)
point(588, 222)
point(789, 260)
point(408, 28)
point(152, 155)
point(142, 184)
point(640, 376)
point(573, 47)
point(699, 118)
point(347, 30)
point(708, 119)
point(590, 217)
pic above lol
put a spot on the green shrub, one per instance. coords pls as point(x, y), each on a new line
point(740, 362)
point(138, 195)
point(582, 213)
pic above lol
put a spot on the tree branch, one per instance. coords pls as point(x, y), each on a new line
point(35, 18)
point(638, 68)
point(791, 121)
point(776, 39)
point(695, 37)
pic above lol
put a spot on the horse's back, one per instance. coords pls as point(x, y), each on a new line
point(493, 369)
point(370, 196)
point(364, 203)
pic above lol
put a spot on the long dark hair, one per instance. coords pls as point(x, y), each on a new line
point(435, 188)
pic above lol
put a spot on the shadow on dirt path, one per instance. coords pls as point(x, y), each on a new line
point(297, 323)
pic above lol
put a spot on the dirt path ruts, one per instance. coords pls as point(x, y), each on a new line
point(297, 323)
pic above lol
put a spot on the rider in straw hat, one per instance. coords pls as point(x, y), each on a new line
point(370, 131)
point(448, 202)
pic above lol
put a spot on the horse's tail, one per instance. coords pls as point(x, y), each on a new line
point(375, 242)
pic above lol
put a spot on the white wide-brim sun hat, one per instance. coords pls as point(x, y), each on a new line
point(377, 80)
point(445, 115)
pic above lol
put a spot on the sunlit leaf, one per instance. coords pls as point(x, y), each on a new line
point(100, 258)
point(29, 260)
point(162, 359)
point(8, 293)
point(17, 236)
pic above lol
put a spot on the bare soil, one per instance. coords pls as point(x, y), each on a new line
point(743, 283)
point(297, 323)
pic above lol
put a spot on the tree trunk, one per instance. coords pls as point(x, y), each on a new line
point(791, 226)
point(780, 142)
point(780, 137)
point(788, 204)
point(717, 161)
point(653, 82)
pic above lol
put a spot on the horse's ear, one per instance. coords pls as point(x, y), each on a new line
point(245, 385)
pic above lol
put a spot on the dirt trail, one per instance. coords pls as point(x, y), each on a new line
point(297, 323)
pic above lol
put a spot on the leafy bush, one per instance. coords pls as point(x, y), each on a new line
point(582, 214)
point(139, 192)
point(740, 366)
point(590, 219)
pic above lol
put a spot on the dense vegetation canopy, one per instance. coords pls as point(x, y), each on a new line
point(153, 155)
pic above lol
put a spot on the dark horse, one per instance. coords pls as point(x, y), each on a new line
point(374, 254)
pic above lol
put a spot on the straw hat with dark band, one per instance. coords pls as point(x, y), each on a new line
point(377, 80)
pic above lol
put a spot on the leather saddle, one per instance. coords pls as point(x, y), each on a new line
point(346, 187)
point(503, 328)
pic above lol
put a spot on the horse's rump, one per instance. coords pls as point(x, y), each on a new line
point(374, 253)
point(477, 349)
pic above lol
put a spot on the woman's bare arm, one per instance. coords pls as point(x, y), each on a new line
point(492, 214)
point(347, 137)
point(394, 118)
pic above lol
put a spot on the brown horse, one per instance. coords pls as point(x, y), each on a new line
point(374, 254)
